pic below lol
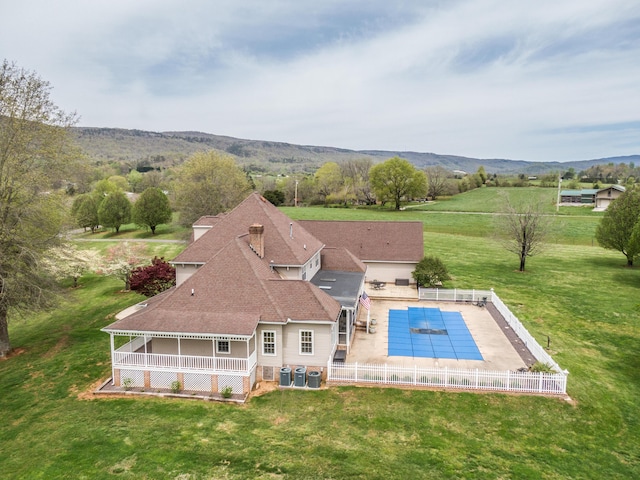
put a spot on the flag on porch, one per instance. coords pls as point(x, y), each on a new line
point(365, 301)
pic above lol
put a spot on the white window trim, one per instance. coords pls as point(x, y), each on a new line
point(300, 333)
point(222, 351)
point(275, 345)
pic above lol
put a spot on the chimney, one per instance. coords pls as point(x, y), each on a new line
point(256, 239)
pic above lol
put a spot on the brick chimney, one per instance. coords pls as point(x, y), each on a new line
point(256, 239)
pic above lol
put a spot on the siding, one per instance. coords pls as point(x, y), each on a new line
point(323, 344)
point(388, 272)
point(270, 360)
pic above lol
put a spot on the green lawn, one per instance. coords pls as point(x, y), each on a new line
point(582, 297)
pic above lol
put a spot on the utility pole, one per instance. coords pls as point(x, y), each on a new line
point(559, 184)
point(295, 198)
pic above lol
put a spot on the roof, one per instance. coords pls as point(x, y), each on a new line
point(285, 241)
point(619, 188)
point(341, 285)
point(372, 241)
point(341, 259)
point(231, 303)
point(585, 191)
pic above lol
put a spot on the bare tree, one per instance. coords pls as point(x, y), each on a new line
point(436, 181)
point(523, 229)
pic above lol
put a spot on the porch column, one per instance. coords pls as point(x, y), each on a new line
point(348, 322)
point(113, 354)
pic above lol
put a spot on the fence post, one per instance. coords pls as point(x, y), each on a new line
point(477, 378)
point(446, 376)
point(508, 380)
point(355, 372)
point(540, 386)
point(385, 373)
point(415, 374)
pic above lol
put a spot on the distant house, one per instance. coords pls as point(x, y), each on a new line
point(255, 292)
point(606, 195)
point(578, 197)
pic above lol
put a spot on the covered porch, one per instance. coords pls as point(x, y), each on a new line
point(208, 363)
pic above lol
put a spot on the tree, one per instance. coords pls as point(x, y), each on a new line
point(35, 153)
point(482, 174)
point(207, 184)
point(121, 259)
point(355, 173)
point(395, 179)
point(617, 224)
point(436, 181)
point(67, 261)
point(524, 228)
point(151, 209)
point(153, 279)
point(120, 182)
point(115, 210)
point(134, 178)
point(274, 196)
point(430, 272)
point(85, 211)
point(328, 180)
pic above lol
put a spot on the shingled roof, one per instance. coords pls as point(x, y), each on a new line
point(371, 241)
point(229, 295)
point(285, 241)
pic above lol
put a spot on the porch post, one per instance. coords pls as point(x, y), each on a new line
point(113, 354)
point(146, 358)
point(348, 322)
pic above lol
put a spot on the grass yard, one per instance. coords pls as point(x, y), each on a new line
point(582, 297)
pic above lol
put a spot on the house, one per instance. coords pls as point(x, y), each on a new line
point(606, 195)
point(255, 292)
point(578, 197)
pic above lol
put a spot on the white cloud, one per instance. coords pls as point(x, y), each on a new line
point(485, 78)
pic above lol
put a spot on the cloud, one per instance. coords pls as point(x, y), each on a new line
point(484, 78)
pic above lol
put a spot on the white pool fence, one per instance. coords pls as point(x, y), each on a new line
point(471, 379)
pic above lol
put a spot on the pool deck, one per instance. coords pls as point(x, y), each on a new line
point(496, 349)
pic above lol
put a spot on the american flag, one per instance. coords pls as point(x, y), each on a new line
point(365, 301)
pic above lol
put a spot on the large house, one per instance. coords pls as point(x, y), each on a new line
point(255, 292)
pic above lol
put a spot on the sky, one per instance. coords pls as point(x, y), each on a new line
point(536, 80)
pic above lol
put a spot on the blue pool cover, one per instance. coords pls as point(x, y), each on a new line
point(430, 333)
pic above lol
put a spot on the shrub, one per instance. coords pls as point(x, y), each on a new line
point(430, 272)
point(176, 386)
point(227, 391)
point(542, 367)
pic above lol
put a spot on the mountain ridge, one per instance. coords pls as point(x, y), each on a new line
point(164, 149)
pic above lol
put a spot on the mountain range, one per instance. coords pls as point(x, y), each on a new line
point(139, 148)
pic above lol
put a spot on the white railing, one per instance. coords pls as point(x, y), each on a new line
point(534, 347)
point(532, 382)
point(526, 382)
point(183, 362)
point(455, 295)
point(436, 294)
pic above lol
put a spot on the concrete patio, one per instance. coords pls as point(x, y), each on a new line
point(372, 348)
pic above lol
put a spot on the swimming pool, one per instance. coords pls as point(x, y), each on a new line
point(430, 333)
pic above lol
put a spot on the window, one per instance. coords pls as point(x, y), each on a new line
point(223, 346)
point(268, 342)
point(306, 342)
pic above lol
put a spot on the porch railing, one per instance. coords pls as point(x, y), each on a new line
point(125, 359)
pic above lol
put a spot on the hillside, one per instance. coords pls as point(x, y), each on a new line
point(164, 149)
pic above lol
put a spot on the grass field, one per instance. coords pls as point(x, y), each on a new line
point(582, 297)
